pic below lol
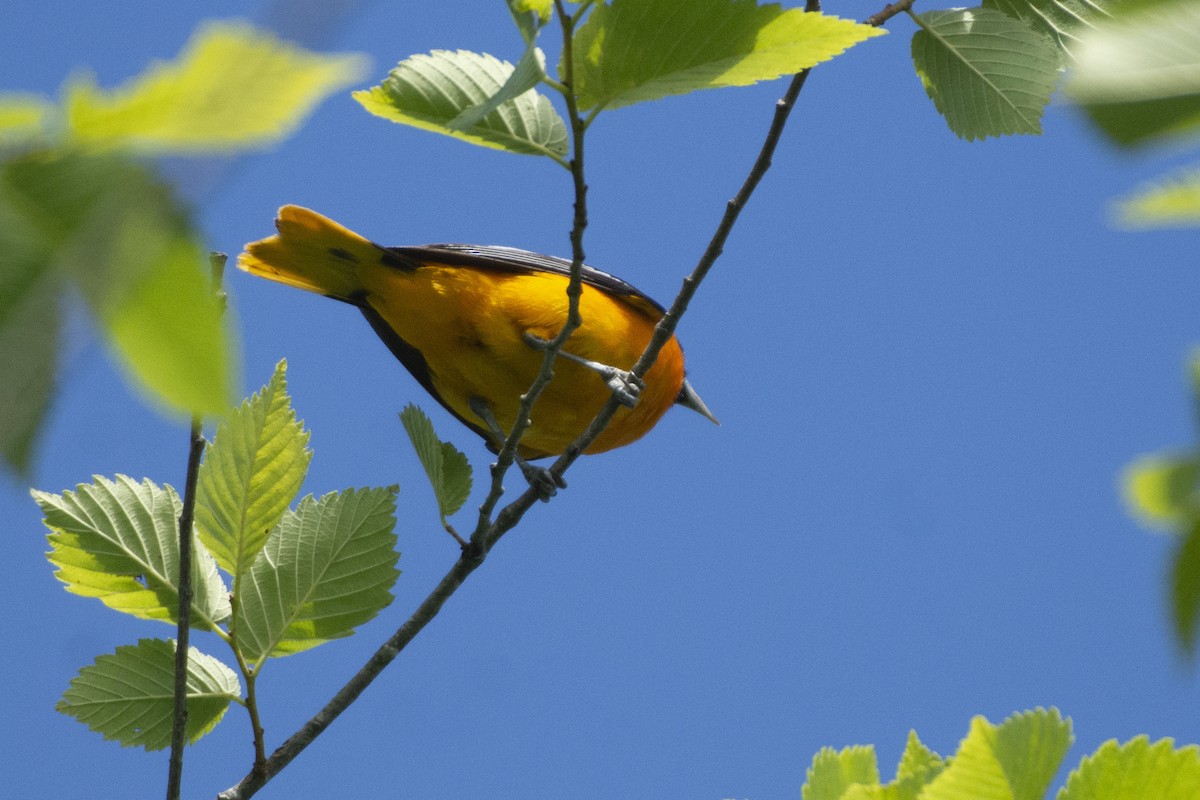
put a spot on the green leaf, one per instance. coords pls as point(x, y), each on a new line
point(628, 51)
point(129, 695)
point(530, 16)
point(833, 772)
point(23, 116)
point(448, 469)
point(326, 568)
point(1061, 20)
point(432, 91)
point(118, 541)
point(987, 73)
point(114, 229)
point(232, 88)
point(1185, 587)
point(917, 768)
point(29, 341)
point(1138, 74)
point(251, 472)
point(1015, 760)
point(1162, 490)
point(1173, 201)
point(1136, 770)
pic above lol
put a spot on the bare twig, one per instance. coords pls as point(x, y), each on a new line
point(184, 613)
point(510, 515)
point(180, 712)
point(507, 454)
point(889, 11)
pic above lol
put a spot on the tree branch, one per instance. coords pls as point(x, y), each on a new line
point(889, 11)
point(511, 514)
point(184, 613)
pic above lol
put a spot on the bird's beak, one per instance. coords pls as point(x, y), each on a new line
point(689, 399)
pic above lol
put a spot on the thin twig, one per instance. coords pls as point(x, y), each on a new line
point(889, 11)
point(511, 514)
point(184, 613)
point(508, 451)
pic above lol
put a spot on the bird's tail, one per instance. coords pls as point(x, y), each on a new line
point(311, 252)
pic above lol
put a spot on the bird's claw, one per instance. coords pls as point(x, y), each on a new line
point(542, 480)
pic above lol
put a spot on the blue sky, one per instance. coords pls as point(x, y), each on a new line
point(931, 360)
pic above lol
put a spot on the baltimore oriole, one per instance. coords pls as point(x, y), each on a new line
point(467, 322)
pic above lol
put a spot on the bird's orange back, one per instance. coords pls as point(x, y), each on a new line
point(456, 316)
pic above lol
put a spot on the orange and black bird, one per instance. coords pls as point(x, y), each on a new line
point(469, 322)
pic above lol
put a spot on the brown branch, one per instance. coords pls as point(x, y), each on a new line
point(889, 11)
point(511, 514)
point(184, 612)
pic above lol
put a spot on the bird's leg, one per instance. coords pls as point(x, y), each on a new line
point(623, 383)
point(543, 481)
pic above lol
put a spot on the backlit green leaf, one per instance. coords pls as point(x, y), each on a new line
point(1136, 770)
point(1015, 760)
point(23, 116)
point(448, 469)
point(1162, 490)
point(251, 473)
point(628, 51)
point(434, 91)
point(232, 87)
point(1062, 20)
point(987, 73)
point(118, 541)
point(113, 229)
point(1138, 74)
point(833, 772)
point(129, 695)
point(327, 567)
point(1173, 201)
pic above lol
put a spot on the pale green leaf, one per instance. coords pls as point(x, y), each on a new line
point(525, 76)
point(1185, 587)
point(129, 695)
point(1162, 490)
point(530, 16)
point(834, 772)
point(431, 91)
point(1136, 770)
point(327, 567)
point(118, 541)
point(1138, 74)
point(917, 768)
point(23, 116)
point(987, 73)
point(251, 473)
point(114, 229)
point(233, 87)
point(1173, 201)
point(628, 51)
point(448, 469)
point(1062, 20)
point(1015, 760)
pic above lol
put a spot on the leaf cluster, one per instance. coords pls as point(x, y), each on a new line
point(82, 214)
point(297, 578)
point(1015, 760)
